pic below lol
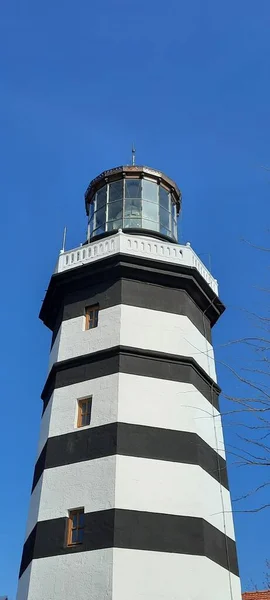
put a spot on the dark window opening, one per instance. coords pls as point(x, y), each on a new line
point(75, 527)
point(91, 316)
point(84, 412)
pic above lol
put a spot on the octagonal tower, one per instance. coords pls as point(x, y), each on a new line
point(130, 496)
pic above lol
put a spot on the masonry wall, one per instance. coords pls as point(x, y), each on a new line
point(149, 470)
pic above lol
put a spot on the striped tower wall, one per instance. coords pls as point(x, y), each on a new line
point(150, 469)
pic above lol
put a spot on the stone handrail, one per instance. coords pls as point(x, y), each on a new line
point(138, 245)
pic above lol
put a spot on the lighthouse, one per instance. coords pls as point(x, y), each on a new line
point(130, 497)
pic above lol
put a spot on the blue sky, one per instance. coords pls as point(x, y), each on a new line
point(189, 83)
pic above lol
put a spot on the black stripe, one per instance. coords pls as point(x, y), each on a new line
point(134, 361)
point(133, 293)
point(131, 440)
point(118, 528)
point(135, 268)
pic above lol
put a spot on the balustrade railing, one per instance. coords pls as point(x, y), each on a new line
point(138, 245)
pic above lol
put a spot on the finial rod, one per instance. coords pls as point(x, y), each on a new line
point(64, 240)
point(133, 155)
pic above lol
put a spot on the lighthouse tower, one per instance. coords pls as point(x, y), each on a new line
point(130, 497)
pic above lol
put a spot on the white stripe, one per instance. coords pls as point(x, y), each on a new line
point(119, 574)
point(165, 576)
point(134, 399)
point(136, 327)
point(69, 577)
point(130, 483)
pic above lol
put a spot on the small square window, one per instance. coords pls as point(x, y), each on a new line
point(91, 316)
point(84, 412)
point(76, 523)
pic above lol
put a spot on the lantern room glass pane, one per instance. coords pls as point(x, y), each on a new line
point(147, 224)
point(115, 210)
point(91, 210)
point(150, 190)
point(164, 217)
point(163, 197)
point(133, 207)
point(133, 223)
point(112, 225)
point(116, 191)
point(150, 211)
point(100, 216)
point(91, 224)
point(165, 231)
point(133, 188)
point(101, 197)
point(174, 228)
point(99, 230)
